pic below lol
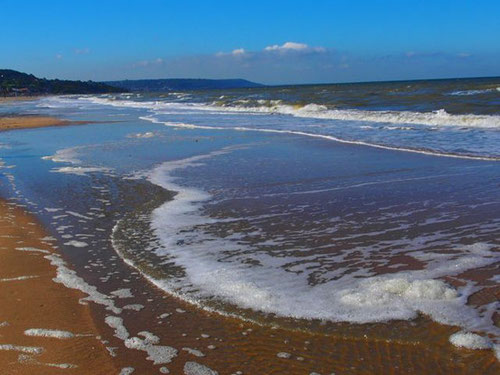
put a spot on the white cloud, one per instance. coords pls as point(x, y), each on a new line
point(287, 45)
point(82, 51)
point(234, 52)
point(294, 46)
point(145, 63)
point(239, 51)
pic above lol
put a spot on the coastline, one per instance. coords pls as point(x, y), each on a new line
point(33, 121)
point(7, 99)
point(31, 300)
point(263, 347)
point(229, 344)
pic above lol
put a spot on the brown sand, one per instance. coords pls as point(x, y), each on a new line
point(28, 122)
point(7, 99)
point(228, 344)
point(41, 303)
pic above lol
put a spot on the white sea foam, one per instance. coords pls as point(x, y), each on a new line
point(348, 299)
point(63, 366)
point(434, 118)
point(358, 297)
point(122, 293)
point(312, 110)
point(159, 354)
point(194, 352)
point(67, 155)
point(117, 324)
point(71, 280)
point(32, 249)
point(22, 349)
point(142, 135)
point(49, 209)
point(470, 341)
point(134, 307)
point(19, 278)
point(54, 333)
point(194, 368)
point(474, 92)
point(76, 214)
point(75, 243)
point(327, 137)
point(81, 171)
point(127, 371)
point(70, 156)
point(28, 358)
point(149, 337)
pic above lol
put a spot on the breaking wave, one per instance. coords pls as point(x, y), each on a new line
point(435, 118)
point(474, 92)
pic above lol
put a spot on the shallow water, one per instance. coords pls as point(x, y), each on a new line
point(271, 226)
point(442, 117)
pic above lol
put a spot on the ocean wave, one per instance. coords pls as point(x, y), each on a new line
point(435, 118)
point(158, 111)
point(71, 156)
point(474, 92)
point(357, 297)
point(328, 137)
point(312, 110)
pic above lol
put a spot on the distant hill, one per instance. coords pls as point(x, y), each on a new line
point(14, 83)
point(182, 84)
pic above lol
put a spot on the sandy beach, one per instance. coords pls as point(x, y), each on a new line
point(10, 99)
point(133, 321)
point(29, 122)
point(43, 327)
point(274, 189)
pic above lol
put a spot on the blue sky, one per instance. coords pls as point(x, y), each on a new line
point(265, 41)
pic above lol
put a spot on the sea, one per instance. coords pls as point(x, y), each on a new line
point(296, 206)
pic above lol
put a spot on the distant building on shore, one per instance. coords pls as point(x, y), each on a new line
point(23, 91)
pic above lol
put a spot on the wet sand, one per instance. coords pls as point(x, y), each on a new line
point(229, 345)
point(224, 344)
point(29, 122)
point(30, 299)
point(8, 99)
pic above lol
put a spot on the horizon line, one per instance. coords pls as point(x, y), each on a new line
point(310, 83)
point(275, 85)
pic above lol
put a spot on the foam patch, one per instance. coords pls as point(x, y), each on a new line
point(53, 333)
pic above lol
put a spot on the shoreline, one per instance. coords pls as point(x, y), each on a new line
point(229, 344)
point(7, 99)
point(33, 121)
point(225, 344)
point(264, 347)
point(42, 324)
